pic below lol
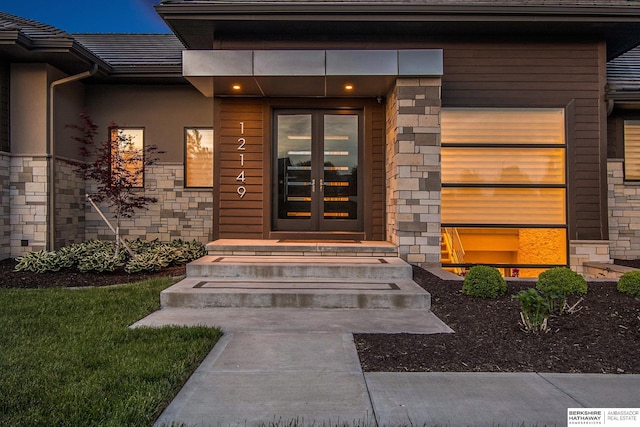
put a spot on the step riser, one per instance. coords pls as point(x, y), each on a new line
point(293, 300)
point(275, 271)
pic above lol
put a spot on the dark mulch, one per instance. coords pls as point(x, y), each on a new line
point(602, 337)
point(25, 279)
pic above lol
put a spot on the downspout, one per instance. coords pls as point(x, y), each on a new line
point(51, 153)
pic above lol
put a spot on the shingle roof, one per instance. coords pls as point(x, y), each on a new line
point(134, 49)
point(30, 31)
point(623, 73)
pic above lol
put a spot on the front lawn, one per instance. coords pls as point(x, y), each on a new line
point(68, 357)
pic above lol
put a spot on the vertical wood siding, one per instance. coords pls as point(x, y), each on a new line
point(543, 75)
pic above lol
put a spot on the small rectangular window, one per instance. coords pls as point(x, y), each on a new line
point(632, 150)
point(199, 157)
point(127, 156)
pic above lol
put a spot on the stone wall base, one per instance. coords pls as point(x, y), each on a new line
point(588, 251)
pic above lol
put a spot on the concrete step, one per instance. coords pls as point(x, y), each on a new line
point(296, 293)
point(286, 267)
point(272, 247)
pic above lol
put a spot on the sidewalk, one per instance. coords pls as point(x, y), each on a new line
point(299, 364)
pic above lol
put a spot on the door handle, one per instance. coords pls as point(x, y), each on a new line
point(313, 185)
point(321, 185)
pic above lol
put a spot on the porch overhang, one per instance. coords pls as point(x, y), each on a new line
point(306, 73)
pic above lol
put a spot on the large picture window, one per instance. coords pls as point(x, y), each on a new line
point(199, 157)
point(632, 150)
point(504, 189)
point(127, 155)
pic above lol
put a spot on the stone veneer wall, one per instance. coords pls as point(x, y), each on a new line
point(624, 213)
point(28, 193)
point(180, 213)
point(587, 251)
point(413, 169)
point(70, 216)
point(5, 211)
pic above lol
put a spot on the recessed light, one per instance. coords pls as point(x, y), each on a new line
point(348, 87)
point(236, 87)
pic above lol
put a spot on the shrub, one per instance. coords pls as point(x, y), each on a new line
point(40, 262)
point(629, 283)
point(557, 284)
point(484, 282)
point(534, 310)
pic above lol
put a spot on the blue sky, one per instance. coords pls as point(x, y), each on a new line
point(91, 16)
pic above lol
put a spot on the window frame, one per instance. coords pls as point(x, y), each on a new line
point(186, 163)
point(563, 145)
point(635, 123)
point(123, 129)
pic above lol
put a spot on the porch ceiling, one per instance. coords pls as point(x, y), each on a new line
point(306, 73)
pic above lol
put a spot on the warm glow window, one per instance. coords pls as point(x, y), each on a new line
point(504, 189)
point(199, 157)
point(632, 150)
point(127, 156)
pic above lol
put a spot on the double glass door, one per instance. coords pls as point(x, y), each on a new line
point(317, 156)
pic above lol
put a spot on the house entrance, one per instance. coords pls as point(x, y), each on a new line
point(317, 170)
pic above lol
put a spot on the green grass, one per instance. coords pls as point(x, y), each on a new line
point(68, 357)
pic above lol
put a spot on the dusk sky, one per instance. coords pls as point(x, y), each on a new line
point(91, 16)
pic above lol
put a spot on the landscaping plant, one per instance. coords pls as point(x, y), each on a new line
point(100, 256)
point(534, 310)
point(559, 283)
point(117, 167)
point(629, 283)
point(484, 282)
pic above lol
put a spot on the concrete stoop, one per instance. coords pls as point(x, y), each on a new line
point(261, 281)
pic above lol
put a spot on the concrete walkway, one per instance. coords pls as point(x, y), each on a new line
point(279, 365)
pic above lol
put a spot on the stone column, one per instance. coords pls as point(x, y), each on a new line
point(413, 169)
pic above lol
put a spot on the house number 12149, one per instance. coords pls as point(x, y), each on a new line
point(241, 178)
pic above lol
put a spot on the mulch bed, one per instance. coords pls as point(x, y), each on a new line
point(25, 279)
point(602, 337)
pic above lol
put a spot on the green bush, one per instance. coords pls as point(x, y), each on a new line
point(484, 282)
point(557, 284)
point(534, 310)
point(629, 283)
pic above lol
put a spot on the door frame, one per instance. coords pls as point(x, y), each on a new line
point(346, 228)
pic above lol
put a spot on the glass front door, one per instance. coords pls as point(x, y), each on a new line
point(317, 156)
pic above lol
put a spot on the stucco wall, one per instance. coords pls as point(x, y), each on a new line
point(163, 112)
point(28, 108)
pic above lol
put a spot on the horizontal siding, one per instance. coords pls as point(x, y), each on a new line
point(377, 208)
point(542, 75)
point(241, 218)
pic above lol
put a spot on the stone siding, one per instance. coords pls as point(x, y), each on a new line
point(624, 213)
point(413, 170)
point(28, 193)
point(5, 207)
point(70, 191)
point(582, 252)
point(179, 213)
